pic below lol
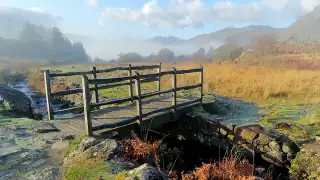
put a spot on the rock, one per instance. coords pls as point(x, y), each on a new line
point(46, 128)
point(275, 157)
point(60, 145)
point(15, 101)
point(224, 132)
point(317, 138)
point(263, 139)
point(248, 135)
point(146, 172)
point(283, 125)
point(103, 149)
point(274, 146)
point(290, 147)
point(50, 173)
point(87, 143)
point(63, 137)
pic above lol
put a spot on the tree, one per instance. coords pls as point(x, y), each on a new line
point(200, 54)
point(29, 33)
point(130, 57)
point(210, 52)
point(228, 52)
point(166, 54)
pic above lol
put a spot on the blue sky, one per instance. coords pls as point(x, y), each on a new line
point(147, 18)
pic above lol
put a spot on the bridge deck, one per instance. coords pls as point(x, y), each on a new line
point(75, 124)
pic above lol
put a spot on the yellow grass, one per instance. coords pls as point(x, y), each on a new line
point(256, 83)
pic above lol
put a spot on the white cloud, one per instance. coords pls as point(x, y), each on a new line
point(183, 13)
point(36, 9)
point(92, 2)
point(101, 22)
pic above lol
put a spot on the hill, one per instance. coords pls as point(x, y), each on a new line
point(231, 35)
point(305, 29)
point(170, 40)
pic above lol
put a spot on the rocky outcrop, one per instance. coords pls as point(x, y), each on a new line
point(14, 101)
point(250, 139)
point(146, 172)
point(91, 147)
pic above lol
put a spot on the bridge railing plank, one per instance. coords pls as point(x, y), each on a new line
point(48, 76)
point(116, 101)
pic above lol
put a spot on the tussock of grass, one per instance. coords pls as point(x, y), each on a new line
point(87, 169)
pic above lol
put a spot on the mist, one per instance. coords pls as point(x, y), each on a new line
point(110, 49)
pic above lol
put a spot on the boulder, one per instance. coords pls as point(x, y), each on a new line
point(87, 143)
point(15, 101)
point(146, 172)
point(46, 127)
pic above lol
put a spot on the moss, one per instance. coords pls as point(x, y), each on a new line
point(121, 175)
point(89, 169)
point(305, 166)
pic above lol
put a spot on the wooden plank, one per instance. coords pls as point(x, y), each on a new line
point(112, 69)
point(108, 86)
point(166, 108)
point(86, 103)
point(164, 73)
point(188, 71)
point(70, 73)
point(153, 75)
point(96, 92)
point(67, 92)
point(69, 110)
point(146, 95)
point(115, 124)
point(148, 80)
point(174, 88)
point(159, 78)
point(188, 87)
point(117, 101)
point(144, 67)
point(110, 80)
point(47, 85)
point(188, 103)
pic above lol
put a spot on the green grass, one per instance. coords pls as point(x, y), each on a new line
point(88, 169)
point(72, 145)
point(11, 122)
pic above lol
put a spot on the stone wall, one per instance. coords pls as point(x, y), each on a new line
point(253, 139)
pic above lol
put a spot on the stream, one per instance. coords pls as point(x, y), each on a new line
point(38, 101)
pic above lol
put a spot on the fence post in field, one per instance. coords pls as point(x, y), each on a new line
point(96, 92)
point(201, 87)
point(174, 89)
point(48, 94)
point(138, 100)
point(86, 105)
point(130, 81)
point(159, 78)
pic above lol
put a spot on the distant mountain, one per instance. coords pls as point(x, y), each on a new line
point(305, 29)
point(170, 40)
point(233, 35)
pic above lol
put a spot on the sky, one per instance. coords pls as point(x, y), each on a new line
point(148, 18)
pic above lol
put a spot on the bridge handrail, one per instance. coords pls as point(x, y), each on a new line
point(88, 106)
point(49, 94)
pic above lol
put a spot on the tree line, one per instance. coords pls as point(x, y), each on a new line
point(37, 42)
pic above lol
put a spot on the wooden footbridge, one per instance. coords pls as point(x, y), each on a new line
point(135, 108)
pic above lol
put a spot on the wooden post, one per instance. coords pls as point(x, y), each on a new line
point(201, 87)
point(174, 89)
point(139, 101)
point(96, 92)
point(48, 94)
point(130, 81)
point(86, 105)
point(159, 80)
